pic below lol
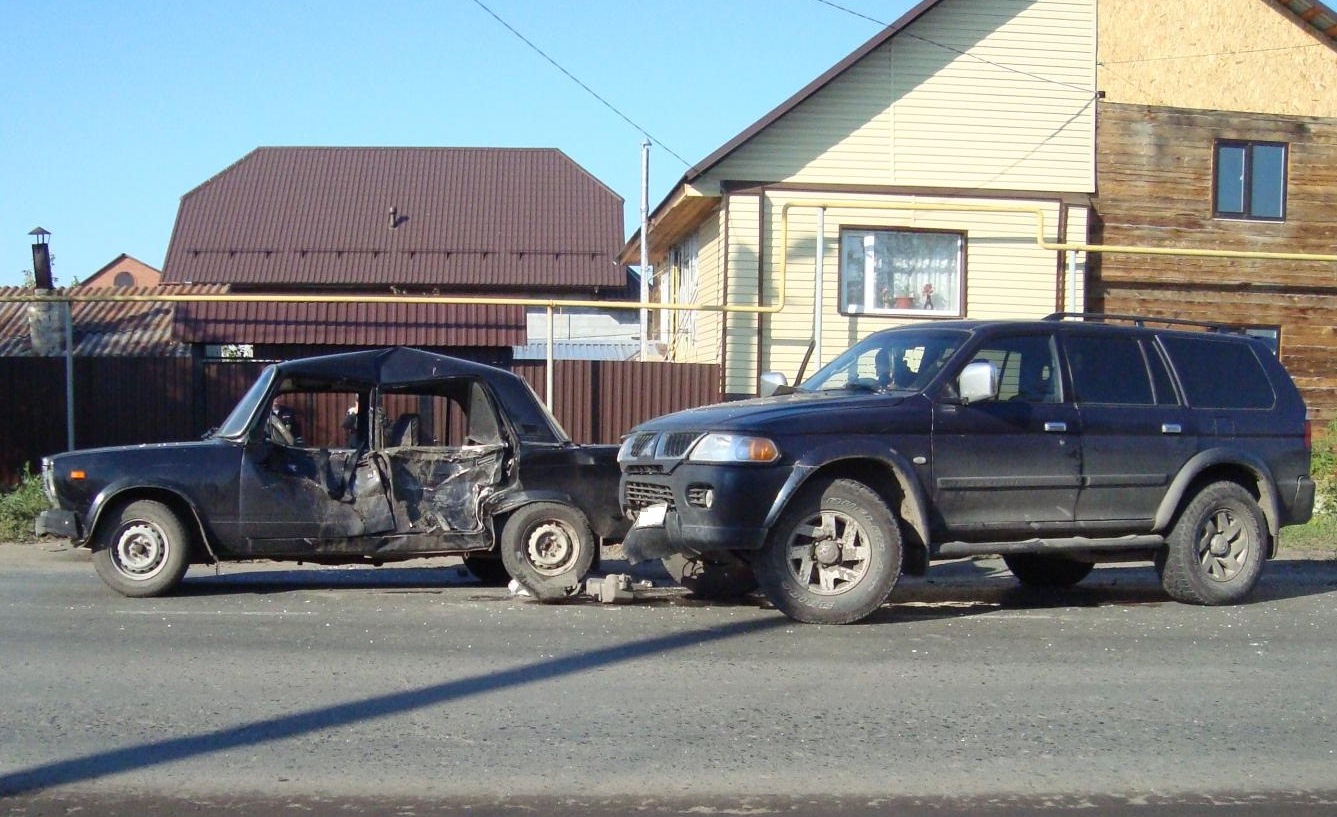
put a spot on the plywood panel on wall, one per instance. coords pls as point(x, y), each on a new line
point(1241, 55)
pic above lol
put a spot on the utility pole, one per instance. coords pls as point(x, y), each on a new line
point(645, 246)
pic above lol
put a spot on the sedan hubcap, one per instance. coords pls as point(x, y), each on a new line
point(551, 547)
point(140, 551)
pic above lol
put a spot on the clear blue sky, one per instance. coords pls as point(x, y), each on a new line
point(111, 112)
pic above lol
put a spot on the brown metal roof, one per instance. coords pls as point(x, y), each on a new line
point(103, 328)
point(1316, 15)
point(350, 324)
point(482, 219)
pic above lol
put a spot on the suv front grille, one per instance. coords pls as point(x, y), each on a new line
point(653, 445)
point(676, 444)
point(642, 446)
point(642, 494)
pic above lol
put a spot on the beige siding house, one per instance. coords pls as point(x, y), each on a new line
point(921, 178)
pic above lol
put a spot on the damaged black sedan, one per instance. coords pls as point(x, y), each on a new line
point(364, 457)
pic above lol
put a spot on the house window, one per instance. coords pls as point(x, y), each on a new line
point(1250, 180)
point(1271, 335)
point(124, 279)
point(901, 272)
point(685, 266)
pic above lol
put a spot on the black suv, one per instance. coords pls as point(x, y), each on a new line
point(1056, 444)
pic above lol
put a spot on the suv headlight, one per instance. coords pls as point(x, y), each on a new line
point(734, 448)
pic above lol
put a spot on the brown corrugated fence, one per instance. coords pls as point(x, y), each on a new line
point(121, 401)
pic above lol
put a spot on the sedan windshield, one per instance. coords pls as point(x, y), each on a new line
point(903, 360)
point(240, 419)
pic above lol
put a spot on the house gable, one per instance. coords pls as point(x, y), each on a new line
point(968, 94)
point(969, 120)
point(124, 271)
point(972, 95)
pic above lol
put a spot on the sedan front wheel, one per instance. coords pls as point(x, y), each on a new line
point(142, 549)
point(548, 548)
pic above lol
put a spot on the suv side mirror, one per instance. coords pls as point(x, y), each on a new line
point(772, 383)
point(978, 381)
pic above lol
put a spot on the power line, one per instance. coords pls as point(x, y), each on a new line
point(839, 7)
point(1212, 54)
point(577, 81)
point(945, 47)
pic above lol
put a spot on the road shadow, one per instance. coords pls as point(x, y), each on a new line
point(157, 753)
point(984, 585)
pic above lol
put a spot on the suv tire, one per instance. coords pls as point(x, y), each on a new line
point(1047, 570)
point(834, 555)
point(1214, 554)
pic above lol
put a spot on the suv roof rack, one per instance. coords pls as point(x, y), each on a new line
point(1142, 320)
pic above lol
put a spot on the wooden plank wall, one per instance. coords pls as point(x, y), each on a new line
point(1154, 167)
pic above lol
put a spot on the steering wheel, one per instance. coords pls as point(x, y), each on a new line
point(278, 432)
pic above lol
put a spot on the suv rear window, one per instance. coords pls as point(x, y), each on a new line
point(1218, 373)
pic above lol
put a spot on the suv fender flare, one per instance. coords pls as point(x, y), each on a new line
point(1205, 460)
point(913, 507)
point(114, 491)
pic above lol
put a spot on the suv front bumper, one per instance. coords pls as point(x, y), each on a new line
point(655, 541)
point(671, 516)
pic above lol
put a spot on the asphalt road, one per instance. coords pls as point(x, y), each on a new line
point(407, 690)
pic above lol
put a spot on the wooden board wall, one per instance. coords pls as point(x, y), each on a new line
point(1154, 171)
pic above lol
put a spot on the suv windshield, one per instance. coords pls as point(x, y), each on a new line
point(895, 360)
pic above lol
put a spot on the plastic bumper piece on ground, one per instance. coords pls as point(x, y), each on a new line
point(58, 523)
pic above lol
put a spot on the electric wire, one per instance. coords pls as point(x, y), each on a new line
point(1070, 86)
point(583, 86)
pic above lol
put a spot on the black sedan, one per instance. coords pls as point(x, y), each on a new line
point(364, 457)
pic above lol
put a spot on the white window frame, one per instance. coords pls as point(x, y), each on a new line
point(927, 286)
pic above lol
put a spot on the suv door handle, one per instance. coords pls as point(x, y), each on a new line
point(1056, 425)
point(1171, 428)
